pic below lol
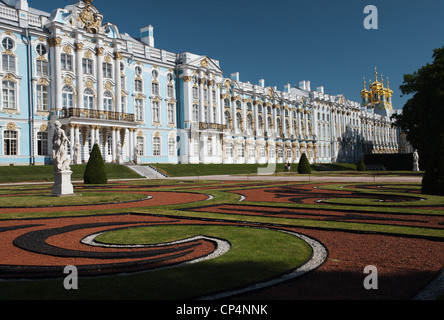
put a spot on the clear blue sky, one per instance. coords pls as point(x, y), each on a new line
point(286, 41)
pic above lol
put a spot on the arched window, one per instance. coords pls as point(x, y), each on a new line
point(108, 101)
point(260, 123)
point(67, 97)
point(88, 99)
point(249, 122)
point(227, 119)
point(238, 121)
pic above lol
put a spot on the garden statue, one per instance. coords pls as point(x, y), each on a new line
point(415, 161)
point(62, 171)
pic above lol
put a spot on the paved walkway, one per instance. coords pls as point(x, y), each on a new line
point(306, 178)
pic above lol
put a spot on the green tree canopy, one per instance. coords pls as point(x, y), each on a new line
point(423, 114)
point(95, 171)
point(304, 165)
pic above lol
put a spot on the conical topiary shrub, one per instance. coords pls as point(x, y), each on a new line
point(304, 165)
point(95, 171)
point(361, 165)
point(433, 180)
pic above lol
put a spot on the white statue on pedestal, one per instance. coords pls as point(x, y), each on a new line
point(59, 155)
point(62, 171)
point(415, 161)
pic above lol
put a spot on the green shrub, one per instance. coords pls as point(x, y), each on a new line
point(361, 165)
point(304, 165)
point(95, 171)
point(433, 180)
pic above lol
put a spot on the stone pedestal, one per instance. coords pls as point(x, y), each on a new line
point(62, 184)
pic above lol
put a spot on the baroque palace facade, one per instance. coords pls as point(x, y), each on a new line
point(146, 105)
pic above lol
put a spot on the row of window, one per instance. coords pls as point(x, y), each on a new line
point(11, 142)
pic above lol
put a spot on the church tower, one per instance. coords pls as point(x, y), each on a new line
point(378, 98)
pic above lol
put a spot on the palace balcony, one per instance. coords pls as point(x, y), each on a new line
point(97, 114)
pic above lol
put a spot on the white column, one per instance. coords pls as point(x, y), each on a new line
point(114, 146)
point(79, 72)
point(99, 54)
point(93, 139)
point(117, 80)
point(72, 140)
point(57, 73)
point(219, 109)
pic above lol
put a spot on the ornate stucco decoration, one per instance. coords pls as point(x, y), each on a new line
point(91, 21)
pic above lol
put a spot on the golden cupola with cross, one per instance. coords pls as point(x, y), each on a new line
point(377, 97)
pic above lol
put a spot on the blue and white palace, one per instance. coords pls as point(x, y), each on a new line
point(143, 104)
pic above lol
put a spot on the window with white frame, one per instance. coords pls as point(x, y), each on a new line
point(41, 49)
point(10, 143)
point(42, 143)
point(227, 119)
point(240, 151)
point(42, 97)
point(8, 62)
point(195, 115)
point(123, 103)
point(66, 60)
point(195, 92)
point(107, 70)
point(108, 101)
point(8, 44)
point(41, 68)
point(170, 91)
point(156, 112)
point(171, 113)
point(138, 106)
point(88, 99)
point(154, 88)
point(67, 97)
point(9, 94)
point(249, 122)
point(238, 121)
point(87, 66)
point(138, 85)
point(8, 58)
point(140, 146)
point(229, 151)
point(171, 146)
point(156, 146)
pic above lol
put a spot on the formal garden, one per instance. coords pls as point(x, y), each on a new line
point(169, 239)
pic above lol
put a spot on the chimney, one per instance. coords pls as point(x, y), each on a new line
point(302, 85)
point(320, 89)
point(235, 76)
point(147, 35)
point(287, 88)
point(262, 82)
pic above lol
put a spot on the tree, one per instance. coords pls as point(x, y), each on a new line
point(433, 180)
point(304, 165)
point(422, 117)
point(361, 165)
point(95, 171)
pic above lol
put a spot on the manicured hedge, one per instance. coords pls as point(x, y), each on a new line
point(304, 165)
point(95, 171)
point(393, 162)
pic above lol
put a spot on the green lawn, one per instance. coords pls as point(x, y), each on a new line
point(184, 170)
point(45, 173)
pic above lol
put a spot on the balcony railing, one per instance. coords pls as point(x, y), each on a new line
point(97, 114)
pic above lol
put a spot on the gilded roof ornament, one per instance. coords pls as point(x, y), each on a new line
point(91, 21)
